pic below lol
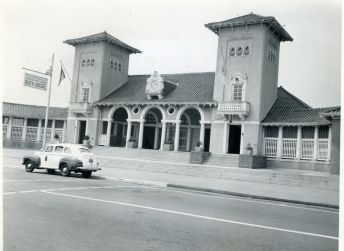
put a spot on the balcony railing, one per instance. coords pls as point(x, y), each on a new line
point(231, 108)
point(80, 107)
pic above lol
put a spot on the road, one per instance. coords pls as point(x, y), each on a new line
point(51, 212)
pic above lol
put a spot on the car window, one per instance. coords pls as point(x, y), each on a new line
point(59, 149)
point(49, 149)
point(84, 150)
point(67, 150)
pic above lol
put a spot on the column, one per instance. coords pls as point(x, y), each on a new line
point(24, 129)
point(188, 142)
point(316, 142)
point(9, 128)
point(52, 136)
point(128, 133)
point(225, 137)
point(279, 142)
point(63, 138)
point(201, 133)
point(163, 134)
point(176, 136)
point(39, 131)
point(329, 143)
point(108, 133)
point(156, 135)
point(298, 142)
point(142, 123)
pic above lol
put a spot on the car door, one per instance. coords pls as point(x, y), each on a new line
point(55, 157)
point(46, 156)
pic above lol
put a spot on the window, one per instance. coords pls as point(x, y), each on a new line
point(88, 62)
point(84, 150)
point(171, 110)
point(5, 120)
point(67, 150)
point(32, 122)
point(247, 50)
point(49, 149)
point(85, 94)
point(239, 51)
point(59, 123)
point(111, 64)
point(232, 51)
point(119, 66)
point(18, 121)
point(50, 123)
point(92, 62)
point(237, 92)
point(150, 119)
point(83, 63)
point(116, 66)
point(59, 149)
point(184, 120)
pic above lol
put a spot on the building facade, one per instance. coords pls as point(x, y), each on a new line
point(237, 108)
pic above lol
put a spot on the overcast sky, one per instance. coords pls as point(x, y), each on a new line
point(172, 38)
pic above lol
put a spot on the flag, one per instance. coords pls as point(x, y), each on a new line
point(62, 76)
point(49, 71)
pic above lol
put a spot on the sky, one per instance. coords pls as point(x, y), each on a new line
point(172, 38)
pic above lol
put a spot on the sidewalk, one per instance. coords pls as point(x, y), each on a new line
point(226, 180)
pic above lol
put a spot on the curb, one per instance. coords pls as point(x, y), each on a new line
point(209, 190)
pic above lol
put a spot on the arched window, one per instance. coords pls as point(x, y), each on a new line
point(238, 82)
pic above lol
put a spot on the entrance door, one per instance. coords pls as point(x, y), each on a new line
point(82, 131)
point(234, 139)
point(206, 139)
point(148, 137)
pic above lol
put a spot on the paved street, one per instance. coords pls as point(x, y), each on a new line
point(51, 212)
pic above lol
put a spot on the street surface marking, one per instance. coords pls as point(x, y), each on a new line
point(196, 216)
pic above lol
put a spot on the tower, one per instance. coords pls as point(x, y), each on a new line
point(100, 67)
point(246, 75)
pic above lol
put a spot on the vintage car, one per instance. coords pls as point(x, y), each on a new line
point(66, 158)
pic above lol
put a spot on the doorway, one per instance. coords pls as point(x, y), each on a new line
point(148, 137)
point(82, 131)
point(206, 139)
point(234, 139)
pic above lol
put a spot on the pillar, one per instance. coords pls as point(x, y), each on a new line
point(142, 123)
point(24, 131)
point(329, 143)
point(298, 142)
point(39, 131)
point(188, 141)
point(201, 133)
point(163, 134)
point(156, 135)
point(225, 137)
point(176, 136)
point(108, 133)
point(52, 135)
point(128, 133)
point(316, 142)
point(279, 142)
point(9, 128)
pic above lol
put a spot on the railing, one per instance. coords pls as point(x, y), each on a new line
point(289, 148)
point(322, 149)
point(240, 108)
point(270, 147)
point(307, 148)
point(80, 107)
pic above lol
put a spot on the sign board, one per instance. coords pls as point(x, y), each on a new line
point(35, 81)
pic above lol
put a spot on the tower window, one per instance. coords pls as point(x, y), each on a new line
point(92, 62)
point(232, 52)
point(83, 63)
point(116, 66)
point(247, 50)
point(111, 64)
point(239, 51)
point(119, 66)
point(88, 62)
point(237, 92)
point(85, 94)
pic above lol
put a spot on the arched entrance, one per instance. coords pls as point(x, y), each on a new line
point(119, 126)
point(152, 129)
point(190, 130)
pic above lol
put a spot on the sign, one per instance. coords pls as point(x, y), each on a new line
point(35, 81)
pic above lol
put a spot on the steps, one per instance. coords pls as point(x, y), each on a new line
point(225, 160)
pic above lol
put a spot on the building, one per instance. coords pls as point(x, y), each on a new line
point(236, 108)
point(23, 125)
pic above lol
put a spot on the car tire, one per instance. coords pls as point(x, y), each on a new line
point(65, 171)
point(86, 174)
point(29, 166)
point(51, 171)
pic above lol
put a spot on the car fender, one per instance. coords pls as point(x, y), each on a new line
point(72, 163)
point(36, 160)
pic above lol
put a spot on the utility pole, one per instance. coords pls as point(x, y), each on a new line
point(47, 109)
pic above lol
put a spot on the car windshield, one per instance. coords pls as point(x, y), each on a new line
point(84, 150)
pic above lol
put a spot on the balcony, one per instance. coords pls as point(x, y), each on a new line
point(241, 108)
point(80, 107)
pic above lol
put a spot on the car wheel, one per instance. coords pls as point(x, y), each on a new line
point(86, 174)
point(29, 166)
point(65, 170)
point(51, 171)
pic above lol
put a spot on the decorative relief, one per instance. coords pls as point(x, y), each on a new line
point(237, 78)
point(155, 85)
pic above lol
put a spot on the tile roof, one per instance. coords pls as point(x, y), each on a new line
point(289, 110)
point(103, 36)
point(252, 18)
point(193, 88)
point(32, 111)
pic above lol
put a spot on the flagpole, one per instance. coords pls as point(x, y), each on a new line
point(47, 110)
